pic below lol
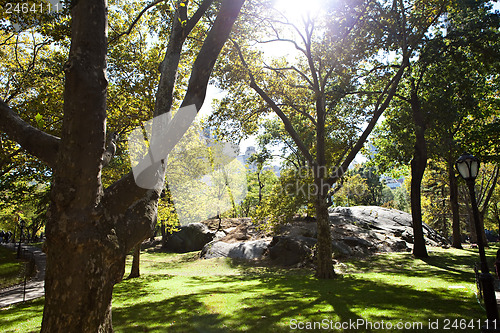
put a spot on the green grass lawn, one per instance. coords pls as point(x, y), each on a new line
point(177, 293)
point(10, 268)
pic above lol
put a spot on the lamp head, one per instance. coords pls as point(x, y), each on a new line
point(467, 166)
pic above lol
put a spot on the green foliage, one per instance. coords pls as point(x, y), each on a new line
point(457, 81)
point(492, 218)
point(401, 199)
point(435, 198)
point(351, 192)
point(362, 186)
point(267, 179)
point(167, 215)
point(288, 196)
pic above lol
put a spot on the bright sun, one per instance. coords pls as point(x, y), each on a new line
point(296, 10)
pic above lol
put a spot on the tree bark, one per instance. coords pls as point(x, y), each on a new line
point(134, 272)
point(418, 165)
point(78, 285)
point(90, 231)
point(455, 211)
point(324, 269)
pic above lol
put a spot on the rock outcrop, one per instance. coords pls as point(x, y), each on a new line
point(356, 231)
point(191, 237)
point(243, 250)
point(383, 229)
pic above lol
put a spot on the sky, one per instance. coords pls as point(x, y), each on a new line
point(293, 9)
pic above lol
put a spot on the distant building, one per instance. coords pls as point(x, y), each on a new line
point(274, 168)
point(244, 158)
point(253, 166)
point(391, 182)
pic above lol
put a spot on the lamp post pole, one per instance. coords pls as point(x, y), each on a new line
point(21, 224)
point(468, 167)
point(485, 278)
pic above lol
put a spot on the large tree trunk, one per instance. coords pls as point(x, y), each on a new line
point(90, 231)
point(418, 165)
point(78, 285)
point(83, 259)
point(455, 211)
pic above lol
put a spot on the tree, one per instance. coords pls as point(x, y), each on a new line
point(435, 201)
point(352, 191)
point(452, 73)
point(134, 270)
point(492, 221)
point(486, 183)
point(90, 229)
point(337, 85)
point(259, 159)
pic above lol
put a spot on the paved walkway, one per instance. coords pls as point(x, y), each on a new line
point(34, 288)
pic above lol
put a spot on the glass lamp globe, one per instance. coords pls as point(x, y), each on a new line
point(467, 166)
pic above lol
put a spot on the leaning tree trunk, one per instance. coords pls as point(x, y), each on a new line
point(455, 211)
point(134, 271)
point(418, 165)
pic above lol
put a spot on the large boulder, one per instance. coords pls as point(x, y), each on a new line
point(289, 251)
point(388, 229)
point(191, 237)
point(242, 250)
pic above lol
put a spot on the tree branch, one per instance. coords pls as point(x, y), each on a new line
point(36, 142)
point(124, 193)
point(390, 88)
point(134, 22)
point(286, 122)
point(205, 61)
point(304, 76)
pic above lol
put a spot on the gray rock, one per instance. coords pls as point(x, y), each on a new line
point(340, 249)
point(378, 219)
point(288, 251)
point(244, 250)
point(355, 241)
point(191, 237)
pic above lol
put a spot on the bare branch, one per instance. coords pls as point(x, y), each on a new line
point(293, 68)
point(283, 40)
point(134, 22)
point(286, 122)
point(299, 111)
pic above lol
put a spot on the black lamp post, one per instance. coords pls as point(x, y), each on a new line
point(21, 223)
point(468, 167)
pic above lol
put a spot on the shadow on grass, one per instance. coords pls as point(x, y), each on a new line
point(447, 266)
point(265, 298)
point(138, 287)
point(271, 302)
point(29, 314)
